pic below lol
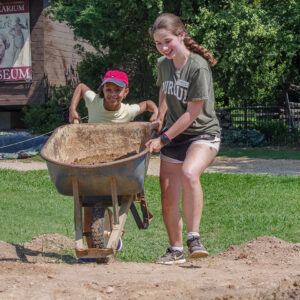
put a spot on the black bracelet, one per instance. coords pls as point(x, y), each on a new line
point(165, 139)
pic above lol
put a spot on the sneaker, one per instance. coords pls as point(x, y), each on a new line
point(86, 260)
point(196, 249)
point(171, 257)
point(120, 245)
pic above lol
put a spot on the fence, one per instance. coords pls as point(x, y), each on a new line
point(280, 125)
point(249, 117)
point(254, 117)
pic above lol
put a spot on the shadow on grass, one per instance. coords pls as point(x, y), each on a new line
point(24, 255)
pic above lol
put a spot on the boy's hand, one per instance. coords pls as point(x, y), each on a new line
point(74, 115)
point(157, 125)
point(153, 117)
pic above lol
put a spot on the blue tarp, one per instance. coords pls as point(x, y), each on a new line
point(20, 144)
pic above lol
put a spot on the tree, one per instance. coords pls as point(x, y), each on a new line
point(120, 28)
point(256, 42)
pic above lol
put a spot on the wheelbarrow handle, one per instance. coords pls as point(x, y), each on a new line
point(153, 128)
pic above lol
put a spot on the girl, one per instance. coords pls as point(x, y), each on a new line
point(191, 137)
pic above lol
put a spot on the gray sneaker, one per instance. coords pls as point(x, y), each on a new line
point(196, 249)
point(171, 257)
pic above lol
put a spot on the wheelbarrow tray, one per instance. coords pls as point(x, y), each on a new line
point(101, 143)
point(105, 159)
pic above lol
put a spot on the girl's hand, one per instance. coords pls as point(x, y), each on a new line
point(74, 115)
point(154, 145)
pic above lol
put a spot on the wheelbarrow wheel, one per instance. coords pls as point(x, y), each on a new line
point(101, 224)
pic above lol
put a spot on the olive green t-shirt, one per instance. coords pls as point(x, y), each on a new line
point(193, 83)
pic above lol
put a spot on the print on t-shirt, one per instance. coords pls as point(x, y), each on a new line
point(177, 89)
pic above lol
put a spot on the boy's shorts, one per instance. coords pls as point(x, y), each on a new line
point(176, 151)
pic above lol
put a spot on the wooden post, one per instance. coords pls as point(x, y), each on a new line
point(287, 102)
point(117, 229)
point(114, 195)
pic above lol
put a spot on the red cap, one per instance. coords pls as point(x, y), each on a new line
point(117, 77)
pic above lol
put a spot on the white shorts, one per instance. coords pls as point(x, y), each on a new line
point(210, 143)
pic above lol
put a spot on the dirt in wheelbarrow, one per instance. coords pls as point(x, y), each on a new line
point(100, 159)
point(263, 268)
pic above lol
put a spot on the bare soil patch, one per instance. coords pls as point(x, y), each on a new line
point(264, 268)
point(100, 159)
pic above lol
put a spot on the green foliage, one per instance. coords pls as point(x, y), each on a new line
point(256, 42)
point(118, 30)
point(240, 138)
point(40, 119)
point(275, 131)
point(261, 133)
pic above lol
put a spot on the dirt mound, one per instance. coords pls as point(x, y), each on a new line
point(50, 242)
point(265, 268)
point(45, 248)
point(263, 250)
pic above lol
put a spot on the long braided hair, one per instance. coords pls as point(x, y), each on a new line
point(173, 24)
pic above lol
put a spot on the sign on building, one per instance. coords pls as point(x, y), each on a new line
point(15, 50)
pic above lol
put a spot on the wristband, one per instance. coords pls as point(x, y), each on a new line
point(165, 139)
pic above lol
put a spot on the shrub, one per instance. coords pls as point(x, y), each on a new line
point(44, 118)
point(243, 138)
point(275, 131)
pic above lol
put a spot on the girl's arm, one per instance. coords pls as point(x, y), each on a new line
point(162, 109)
point(78, 94)
point(192, 112)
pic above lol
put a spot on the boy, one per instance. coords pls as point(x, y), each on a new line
point(108, 107)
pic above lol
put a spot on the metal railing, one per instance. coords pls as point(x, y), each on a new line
point(250, 117)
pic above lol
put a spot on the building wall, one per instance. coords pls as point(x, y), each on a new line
point(54, 61)
point(60, 56)
point(36, 93)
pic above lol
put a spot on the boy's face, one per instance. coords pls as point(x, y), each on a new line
point(113, 95)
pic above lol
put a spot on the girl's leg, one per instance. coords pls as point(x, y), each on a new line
point(198, 158)
point(170, 196)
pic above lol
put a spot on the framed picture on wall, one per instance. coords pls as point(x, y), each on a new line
point(15, 49)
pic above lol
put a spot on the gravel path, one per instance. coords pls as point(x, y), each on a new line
point(243, 165)
point(221, 164)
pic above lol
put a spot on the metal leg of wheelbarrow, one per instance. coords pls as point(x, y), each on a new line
point(147, 216)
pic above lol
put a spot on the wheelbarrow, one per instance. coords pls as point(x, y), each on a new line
point(101, 165)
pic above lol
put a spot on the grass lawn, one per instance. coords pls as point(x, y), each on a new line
point(237, 208)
